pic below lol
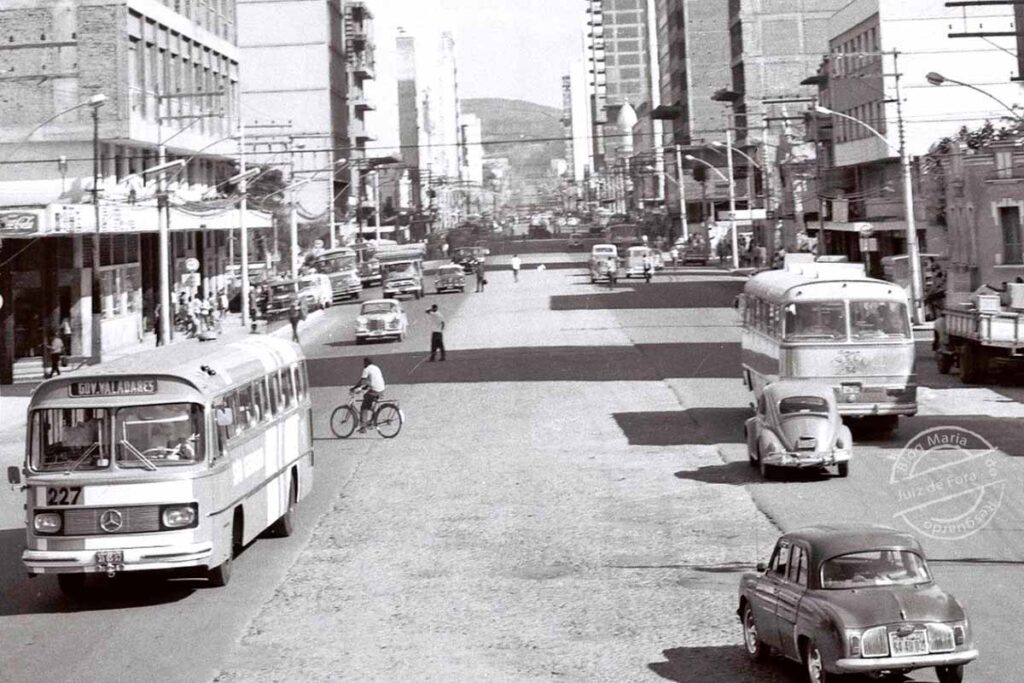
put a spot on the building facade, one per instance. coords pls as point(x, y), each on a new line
point(880, 54)
point(154, 75)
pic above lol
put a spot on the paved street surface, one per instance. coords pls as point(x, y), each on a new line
point(569, 500)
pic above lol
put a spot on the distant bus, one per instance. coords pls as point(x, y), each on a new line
point(830, 323)
point(173, 459)
point(341, 266)
point(622, 235)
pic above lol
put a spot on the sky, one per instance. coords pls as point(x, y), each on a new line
point(517, 49)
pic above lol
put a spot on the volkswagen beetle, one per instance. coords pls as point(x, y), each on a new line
point(381, 319)
point(796, 424)
point(853, 600)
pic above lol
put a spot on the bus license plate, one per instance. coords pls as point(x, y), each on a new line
point(109, 557)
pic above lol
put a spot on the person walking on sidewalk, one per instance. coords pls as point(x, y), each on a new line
point(294, 316)
point(480, 279)
point(648, 267)
point(517, 263)
point(56, 353)
point(436, 332)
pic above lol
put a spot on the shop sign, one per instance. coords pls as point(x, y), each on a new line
point(19, 223)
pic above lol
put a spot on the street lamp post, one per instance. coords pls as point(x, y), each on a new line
point(732, 202)
point(96, 351)
point(913, 249)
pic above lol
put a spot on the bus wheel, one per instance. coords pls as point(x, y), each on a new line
point(72, 585)
point(283, 527)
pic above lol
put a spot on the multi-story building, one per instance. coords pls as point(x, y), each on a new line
point(306, 69)
point(472, 150)
point(155, 75)
point(409, 114)
point(864, 78)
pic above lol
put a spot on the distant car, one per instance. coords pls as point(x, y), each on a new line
point(635, 260)
point(279, 296)
point(316, 289)
point(693, 250)
point(853, 600)
point(469, 257)
point(604, 262)
point(796, 424)
point(450, 277)
point(402, 277)
point(381, 319)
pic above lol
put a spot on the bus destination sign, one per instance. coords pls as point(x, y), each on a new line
point(113, 387)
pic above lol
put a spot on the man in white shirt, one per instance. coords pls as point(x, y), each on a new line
point(517, 263)
point(437, 332)
point(373, 379)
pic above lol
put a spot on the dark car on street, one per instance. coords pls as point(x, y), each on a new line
point(469, 257)
point(853, 600)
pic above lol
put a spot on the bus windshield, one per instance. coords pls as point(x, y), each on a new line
point(879, 319)
point(336, 264)
point(400, 269)
point(153, 436)
point(68, 439)
point(816, 320)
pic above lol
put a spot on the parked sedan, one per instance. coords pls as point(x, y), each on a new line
point(381, 319)
point(853, 600)
point(450, 277)
point(796, 425)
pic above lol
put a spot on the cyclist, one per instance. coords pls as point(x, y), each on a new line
point(372, 380)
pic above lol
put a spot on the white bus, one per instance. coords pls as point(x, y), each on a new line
point(171, 459)
point(832, 324)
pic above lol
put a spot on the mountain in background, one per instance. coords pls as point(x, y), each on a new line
point(529, 135)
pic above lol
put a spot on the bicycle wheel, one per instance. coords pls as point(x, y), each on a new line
point(388, 419)
point(343, 421)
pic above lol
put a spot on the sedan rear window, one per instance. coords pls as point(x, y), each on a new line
point(874, 568)
point(803, 404)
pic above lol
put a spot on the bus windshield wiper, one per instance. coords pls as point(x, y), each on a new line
point(82, 458)
point(138, 454)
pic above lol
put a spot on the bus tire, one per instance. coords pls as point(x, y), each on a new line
point(284, 526)
point(220, 575)
point(72, 585)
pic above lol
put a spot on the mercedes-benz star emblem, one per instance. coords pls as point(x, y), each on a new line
point(111, 521)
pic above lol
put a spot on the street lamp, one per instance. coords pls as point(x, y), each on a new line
point(732, 200)
point(938, 79)
point(913, 249)
point(718, 145)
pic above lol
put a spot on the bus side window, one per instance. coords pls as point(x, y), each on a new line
point(224, 420)
point(246, 407)
point(259, 400)
point(274, 394)
point(301, 383)
point(773, 320)
point(759, 316)
point(288, 387)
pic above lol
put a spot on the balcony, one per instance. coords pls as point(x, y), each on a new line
point(361, 103)
point(1012, 174)
point(357, 131)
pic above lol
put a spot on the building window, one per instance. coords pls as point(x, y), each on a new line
point(1004, 164)
point(1009, 223)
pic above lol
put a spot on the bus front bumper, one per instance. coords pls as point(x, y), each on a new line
point(134, 559)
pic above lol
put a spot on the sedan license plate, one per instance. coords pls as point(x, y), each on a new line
point(914, 644)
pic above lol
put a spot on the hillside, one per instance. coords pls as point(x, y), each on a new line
point(537, 126)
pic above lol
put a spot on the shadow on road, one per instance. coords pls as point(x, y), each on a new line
point(694, 427)
point(654, 295)
point(1002, 432)
point(741, 473)
point(723, 664)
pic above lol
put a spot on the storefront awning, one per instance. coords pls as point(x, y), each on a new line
point(72, 219)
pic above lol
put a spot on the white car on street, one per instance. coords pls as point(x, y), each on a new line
point(381, 319)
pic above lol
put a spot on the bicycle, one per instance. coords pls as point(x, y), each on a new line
point(386, 417)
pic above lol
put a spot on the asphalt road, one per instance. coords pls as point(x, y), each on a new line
point(568, 500)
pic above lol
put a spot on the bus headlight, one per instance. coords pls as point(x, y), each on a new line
point(178, 516)
point(47, 522)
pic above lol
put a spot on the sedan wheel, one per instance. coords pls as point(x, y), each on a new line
point(815, 664)
point(755, 648)
point(950, 674)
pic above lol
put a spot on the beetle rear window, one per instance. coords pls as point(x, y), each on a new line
point(803, 404)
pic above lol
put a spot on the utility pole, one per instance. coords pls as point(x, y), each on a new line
point(913, 248)
point(376, 203)
point(732, 194)
point(97, 296)
point(333, 239)
point(243, 234)
point(163, 251)
point(682, 192)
